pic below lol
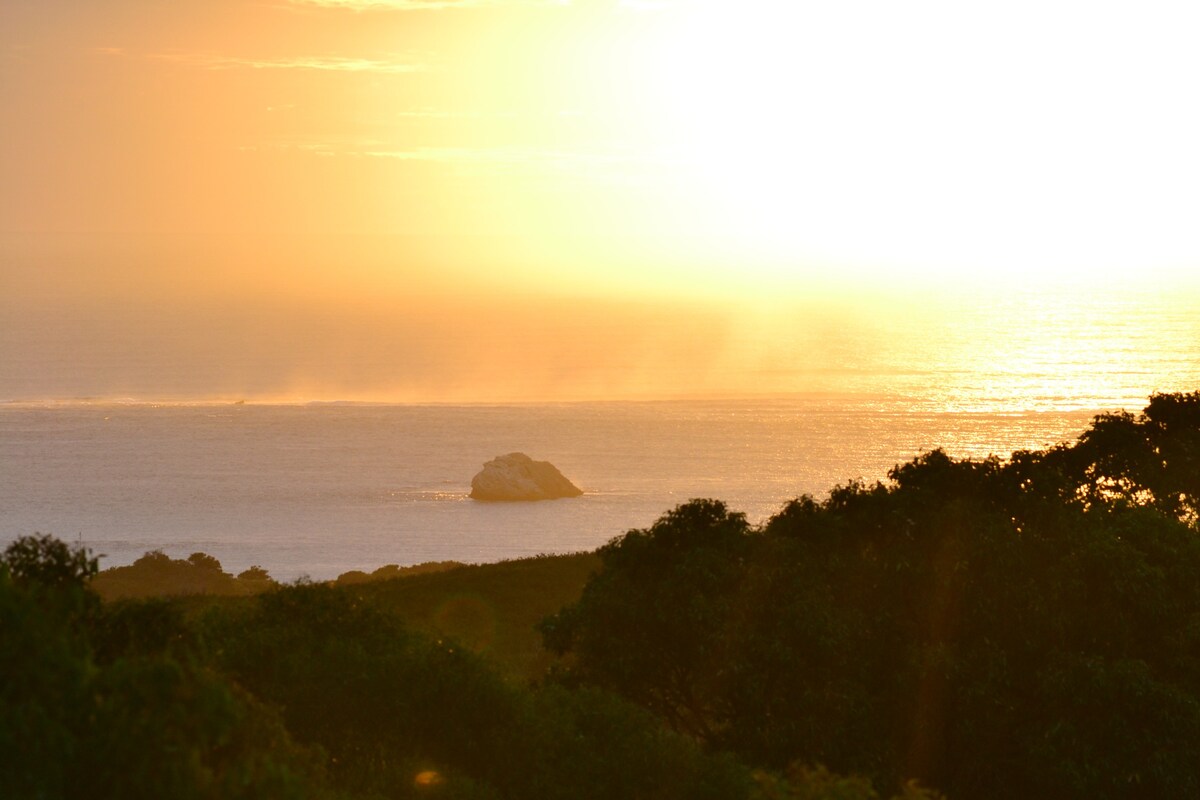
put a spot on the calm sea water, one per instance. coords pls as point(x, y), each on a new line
point(322, 489)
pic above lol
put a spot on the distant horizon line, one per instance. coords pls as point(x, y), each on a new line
point(921, 404)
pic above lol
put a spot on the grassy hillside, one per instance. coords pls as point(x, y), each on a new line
point(489, 608)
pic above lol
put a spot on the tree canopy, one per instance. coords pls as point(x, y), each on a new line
point(1025, 627)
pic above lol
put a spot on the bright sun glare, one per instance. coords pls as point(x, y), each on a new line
point(934, 136)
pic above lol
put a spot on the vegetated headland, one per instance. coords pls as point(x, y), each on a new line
point(996, 628)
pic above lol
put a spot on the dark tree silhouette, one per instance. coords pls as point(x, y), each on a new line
point(996, 628)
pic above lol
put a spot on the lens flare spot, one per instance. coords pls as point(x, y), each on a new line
point(428, 777)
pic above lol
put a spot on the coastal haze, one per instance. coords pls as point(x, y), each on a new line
point(74, 330)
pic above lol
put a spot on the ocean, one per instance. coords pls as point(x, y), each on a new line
point(319, 489)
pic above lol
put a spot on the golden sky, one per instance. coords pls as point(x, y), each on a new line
point(382, 177)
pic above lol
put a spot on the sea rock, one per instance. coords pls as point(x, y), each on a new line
point(516, 476)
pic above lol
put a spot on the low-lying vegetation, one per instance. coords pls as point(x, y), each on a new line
point(158, 575)
point(390, 571)
point(491, 609)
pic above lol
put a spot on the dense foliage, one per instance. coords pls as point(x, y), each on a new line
point(103, 702)
point(307, 692)
point(1025, 628)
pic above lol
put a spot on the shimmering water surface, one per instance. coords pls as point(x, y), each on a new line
point(321, 489)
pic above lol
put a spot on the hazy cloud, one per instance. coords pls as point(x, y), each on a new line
point(435, 5)
point(316, 63)
point(399, 5)
point(439, 113)
point(545, 158)
point(445, 113)
point(598, 166)
point(595, 165)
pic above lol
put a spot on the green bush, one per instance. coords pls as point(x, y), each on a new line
point(99, 703)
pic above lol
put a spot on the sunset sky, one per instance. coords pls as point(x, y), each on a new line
point(474, 199)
